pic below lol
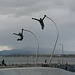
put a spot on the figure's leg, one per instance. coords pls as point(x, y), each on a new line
point(18, 39)
point(42, 27)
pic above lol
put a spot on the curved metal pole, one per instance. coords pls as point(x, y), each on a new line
point(37, 44)
point(55, 41)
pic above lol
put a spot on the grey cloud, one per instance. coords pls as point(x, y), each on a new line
point(25, 7)
point(71, 5)
point(19, 13)
point(29, 7)
point(17, 3)
point(17, 7)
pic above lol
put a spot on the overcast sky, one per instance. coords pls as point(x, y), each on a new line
point(17, 14)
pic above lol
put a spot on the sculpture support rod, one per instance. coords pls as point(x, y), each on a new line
point(55, 41)
point(37, 44)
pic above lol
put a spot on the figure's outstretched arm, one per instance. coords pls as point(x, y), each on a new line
point(44, 17)
point(15, 34)
point(35, 19)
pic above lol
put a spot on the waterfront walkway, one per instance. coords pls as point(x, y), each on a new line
point(34, 71)
point(67, 67)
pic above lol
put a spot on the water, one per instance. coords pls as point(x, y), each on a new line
point(26, 60)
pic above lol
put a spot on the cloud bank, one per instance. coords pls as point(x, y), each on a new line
point(17, 14)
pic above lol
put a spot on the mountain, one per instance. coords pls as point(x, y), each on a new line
point(16, 52)
point(28, 51)
point(24, 51)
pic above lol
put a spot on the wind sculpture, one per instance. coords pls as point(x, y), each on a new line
point(21, 38)
point(41, 21)
point(42, 25)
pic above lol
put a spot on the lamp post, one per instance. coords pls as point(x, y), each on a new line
point(55, 41)
point(62, 51)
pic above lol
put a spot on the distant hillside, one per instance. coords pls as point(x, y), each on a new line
point(30, 51)
point(16, 52)
point(25, 51)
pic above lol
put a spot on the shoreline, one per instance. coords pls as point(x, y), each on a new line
point(56, 55)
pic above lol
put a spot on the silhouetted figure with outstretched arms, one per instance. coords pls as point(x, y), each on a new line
point(41, 21)
point(20, 34)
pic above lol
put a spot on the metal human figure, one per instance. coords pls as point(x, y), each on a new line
point(41, 21)
point(21, 36)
